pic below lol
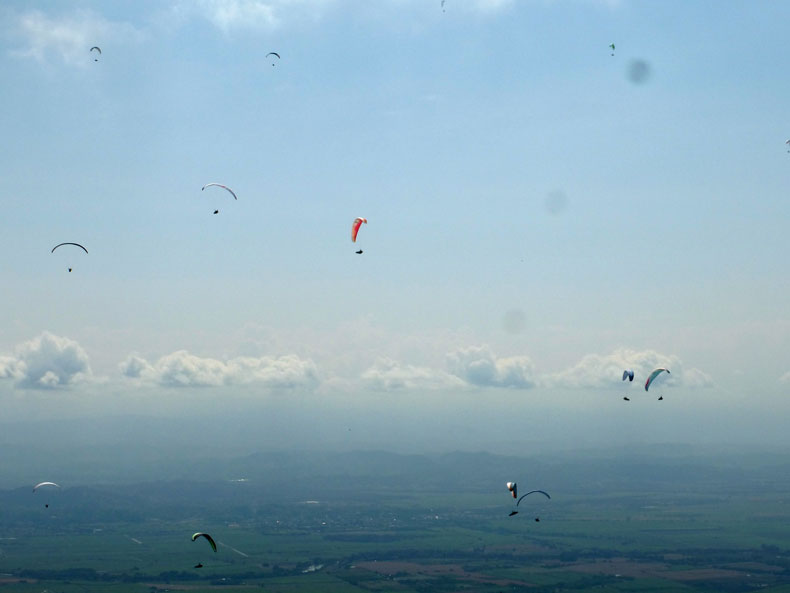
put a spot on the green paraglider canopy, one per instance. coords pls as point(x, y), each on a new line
point(208, 537)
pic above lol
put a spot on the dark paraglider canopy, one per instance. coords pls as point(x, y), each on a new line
point(358, 252)
point(74, 244)
point(62, 244)
point(546, 494)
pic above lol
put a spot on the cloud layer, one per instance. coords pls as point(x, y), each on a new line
point(475, 366)
point(389, 375)
point(182, 369)
point(67, 37)
point(479, 366)
point(229, 15)
point(49, 361)
point(599, 371)
point(46, 362)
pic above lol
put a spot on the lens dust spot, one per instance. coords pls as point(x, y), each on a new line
point(556, 202)
point(638, 71)
point(514, 321)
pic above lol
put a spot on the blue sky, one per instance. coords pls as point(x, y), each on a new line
point(453, 132)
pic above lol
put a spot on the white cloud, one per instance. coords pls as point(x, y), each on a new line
point(9, 368)
point(783, 379)
point(69, 37)
point(600, 371)
point(49, 380)
point(135, 367)
point(695, 379)
point(228, 15)
point(475, 366)
point(492, 5)
point(389, 375)
point(479, 366)
point(46, 362)
point(484, 7)
point(182, 369)
point(466, 6)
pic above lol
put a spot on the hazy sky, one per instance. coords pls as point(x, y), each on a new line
point(542, 214)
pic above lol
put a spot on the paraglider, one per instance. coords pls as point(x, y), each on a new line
point(518, 502)
point(98, 49)
point(355, 227)
point(513, 488)
point(653, 375)
point(225, 187)
point(611, 46)
point(208, 537)
point(546, 494)
point(41, 484)
point(273, 53)
point(358, 252)
point(62, 244)
point(788, 145)
point(199, 565)
point(628, 374)
point(443, 1)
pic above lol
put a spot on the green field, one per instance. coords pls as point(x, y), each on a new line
point(415, 537)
